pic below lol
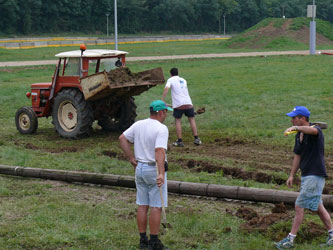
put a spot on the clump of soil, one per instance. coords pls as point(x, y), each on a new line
point(202, 166)
point(262, 224)
point(279, 208)
point(246, 213)
point(31, 146)
point(200, 110)
point(120, 75)
point(50, 150)
point(113, 154)
point(124, 75)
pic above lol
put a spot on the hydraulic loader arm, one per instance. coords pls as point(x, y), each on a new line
point(55, 77)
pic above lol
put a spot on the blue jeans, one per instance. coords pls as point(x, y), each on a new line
point(148, 193)
point(311, 190)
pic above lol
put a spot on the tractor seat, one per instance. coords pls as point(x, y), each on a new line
point(41, 85)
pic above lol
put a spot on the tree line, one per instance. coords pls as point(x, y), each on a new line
point(147, 16)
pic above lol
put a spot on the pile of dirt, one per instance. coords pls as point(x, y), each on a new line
point(235, 172)
point(124, 75)
point(274, 32)
point(254, 222)
point(121, 75)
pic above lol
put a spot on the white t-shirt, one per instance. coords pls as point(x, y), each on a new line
point(147, 135)
point(179, 91)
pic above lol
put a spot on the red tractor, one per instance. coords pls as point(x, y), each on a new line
point(87, 85)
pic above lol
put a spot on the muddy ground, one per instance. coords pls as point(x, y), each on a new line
point(266, 163)
point(251, 161)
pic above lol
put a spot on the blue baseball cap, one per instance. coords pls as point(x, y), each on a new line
point(158, 105)
point(299, 110)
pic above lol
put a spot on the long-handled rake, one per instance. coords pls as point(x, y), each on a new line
point(164, 220)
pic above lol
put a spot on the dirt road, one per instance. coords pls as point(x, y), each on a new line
point(173, 57)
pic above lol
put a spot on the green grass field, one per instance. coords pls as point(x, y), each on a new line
point(245, 99)
point(153, 49)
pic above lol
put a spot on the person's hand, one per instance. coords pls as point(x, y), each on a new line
point(133, 162)
point(289, 182)
point(290, 130)
point(160, 180)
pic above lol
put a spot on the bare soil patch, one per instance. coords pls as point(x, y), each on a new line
point(70, 149)
point(262, 36)
point(267, 163)
point(280, 214)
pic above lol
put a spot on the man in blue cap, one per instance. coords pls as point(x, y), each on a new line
point(309, 157)
point(150, 138)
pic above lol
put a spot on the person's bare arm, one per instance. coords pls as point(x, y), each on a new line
point(294, 168)
point(126, 147)
point(304, 129)
point(165, 92)
point(160, 159)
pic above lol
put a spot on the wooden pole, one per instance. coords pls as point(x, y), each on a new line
point(178, 187)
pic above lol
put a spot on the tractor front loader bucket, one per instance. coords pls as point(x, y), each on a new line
point(120, 82)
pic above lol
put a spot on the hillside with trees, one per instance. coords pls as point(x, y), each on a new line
point(147, 16)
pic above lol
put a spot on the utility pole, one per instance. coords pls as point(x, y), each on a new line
point(312, 13)
point(107, 24)
point(224, 24)
point(115, 25)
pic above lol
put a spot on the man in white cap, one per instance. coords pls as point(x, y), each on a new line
point(309, 157)
point(150, 138)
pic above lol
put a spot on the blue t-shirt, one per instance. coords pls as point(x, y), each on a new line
point(311, 150)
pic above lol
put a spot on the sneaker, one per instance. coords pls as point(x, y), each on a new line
point(144, 243)
point(284, 244)
point(156, 245)
point(197, 141)
point(178, 144)
point(329, 242)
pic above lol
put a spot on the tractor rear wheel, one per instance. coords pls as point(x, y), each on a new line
point(26, 120)
point(122, 119)
point(72, 114)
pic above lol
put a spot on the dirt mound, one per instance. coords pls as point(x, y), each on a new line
point(124, 75)
point(276, 225)
point(275, 33)
point(203, 166)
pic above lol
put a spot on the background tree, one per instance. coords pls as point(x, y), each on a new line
point(225, 8)
point(146, 16)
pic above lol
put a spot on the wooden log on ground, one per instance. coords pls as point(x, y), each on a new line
point(179, 187)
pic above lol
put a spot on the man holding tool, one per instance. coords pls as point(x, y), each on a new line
point(182, 104)
point(150, 138)
point(309, 157)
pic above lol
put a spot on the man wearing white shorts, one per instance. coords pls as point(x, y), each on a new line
point(309, 157)
point(150, 138)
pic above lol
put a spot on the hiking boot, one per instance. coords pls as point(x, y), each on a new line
point(178, 144)
point(286, 243)
point(156, 245)
point(144, 243)
point(197, 141)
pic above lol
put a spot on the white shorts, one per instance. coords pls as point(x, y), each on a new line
point(148, 193)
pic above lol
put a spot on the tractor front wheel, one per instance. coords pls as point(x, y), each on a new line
point(26, 120)
point(72, 114)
